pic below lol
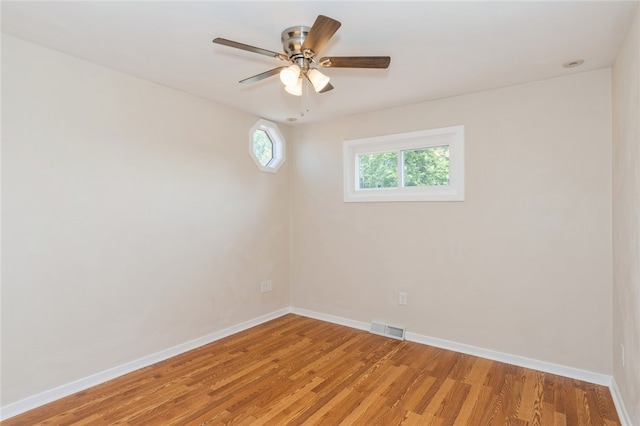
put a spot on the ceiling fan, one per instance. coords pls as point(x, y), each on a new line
point(301, 45)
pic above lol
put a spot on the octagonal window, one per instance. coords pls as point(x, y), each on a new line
point(266, 146)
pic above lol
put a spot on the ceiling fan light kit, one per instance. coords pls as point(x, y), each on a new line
point(289, 76)
point(296, 89)
point(318, 79)
point(301, 44)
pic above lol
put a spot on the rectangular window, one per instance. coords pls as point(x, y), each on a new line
point(418, 166)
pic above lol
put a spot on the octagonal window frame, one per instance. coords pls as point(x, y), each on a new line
point(278, 141)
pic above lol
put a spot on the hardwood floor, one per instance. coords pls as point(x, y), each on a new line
point(296, 370)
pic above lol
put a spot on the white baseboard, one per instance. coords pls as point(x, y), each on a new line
point(623, 414)
point(520, 361)
point(547, 367)
point(51, 395)
point(331, 318)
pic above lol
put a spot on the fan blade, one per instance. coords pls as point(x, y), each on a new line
point(356, 62)
point(322, 30)
point(326, 88)
point(225, 42)
point(262, 76)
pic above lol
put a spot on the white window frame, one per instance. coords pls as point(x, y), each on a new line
point(278, 141)
point(451, 136)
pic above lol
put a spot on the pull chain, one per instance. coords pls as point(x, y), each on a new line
point(304, 107)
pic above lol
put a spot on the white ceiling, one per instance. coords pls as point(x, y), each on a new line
point(437, 49)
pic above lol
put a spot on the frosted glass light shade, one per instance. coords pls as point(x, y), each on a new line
point(296, 89)
point(289, 76)
point(318, 79)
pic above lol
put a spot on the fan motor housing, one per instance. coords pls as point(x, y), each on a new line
point(292, 40)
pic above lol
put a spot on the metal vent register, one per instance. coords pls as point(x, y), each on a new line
point(387, 330)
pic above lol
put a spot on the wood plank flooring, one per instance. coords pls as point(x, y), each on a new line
point(296, 370)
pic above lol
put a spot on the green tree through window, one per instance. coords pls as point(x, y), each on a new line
point(421, 167)
point(262, 147)
point(378, 170)
point(426, 167)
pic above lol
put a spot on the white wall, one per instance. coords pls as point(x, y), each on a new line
point(522, 266)
point(133, 220)
point(626, 220)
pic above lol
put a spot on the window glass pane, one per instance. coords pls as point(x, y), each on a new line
point(426, 167)
point(378, 170)
point(262, 147)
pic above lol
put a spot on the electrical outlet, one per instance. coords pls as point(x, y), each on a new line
point(266, 286)
point(402, 298)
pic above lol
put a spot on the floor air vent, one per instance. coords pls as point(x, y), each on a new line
point(387, 330)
